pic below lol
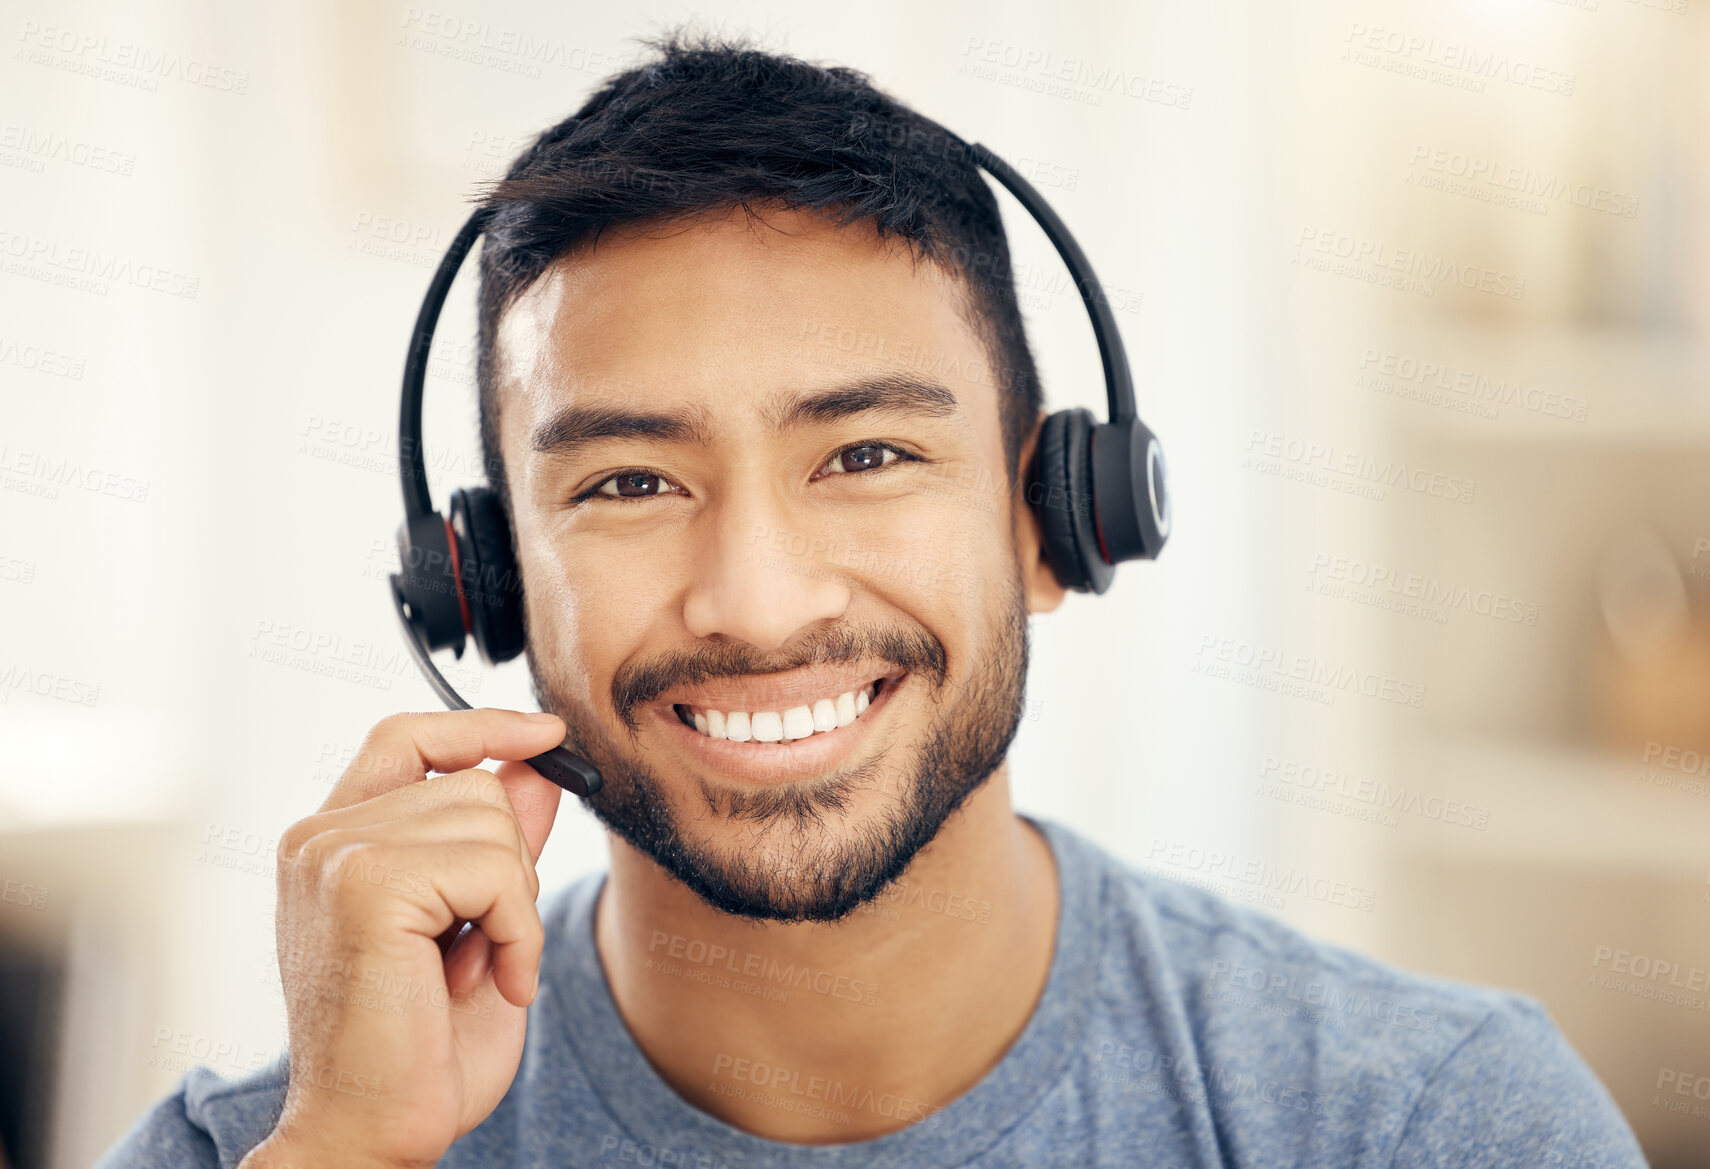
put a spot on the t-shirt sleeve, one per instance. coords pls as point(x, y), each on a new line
point(207, 1121)
point(163, 1136)
point(1514, 1092)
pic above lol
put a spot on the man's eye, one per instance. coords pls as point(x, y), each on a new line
point(632, 485)
point(868, 456)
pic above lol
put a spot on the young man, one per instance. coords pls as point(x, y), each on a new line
point(758, 395)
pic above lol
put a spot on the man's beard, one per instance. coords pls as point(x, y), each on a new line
point(825, 879)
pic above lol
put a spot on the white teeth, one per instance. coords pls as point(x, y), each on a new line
point(798, 722)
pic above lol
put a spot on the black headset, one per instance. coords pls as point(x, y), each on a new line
point(1099, 489)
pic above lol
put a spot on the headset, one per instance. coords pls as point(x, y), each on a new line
point(1099, 488)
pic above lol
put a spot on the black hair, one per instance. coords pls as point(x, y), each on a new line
point(709, 125)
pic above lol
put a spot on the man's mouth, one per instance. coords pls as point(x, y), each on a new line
point(775, 728)
point(801, 721)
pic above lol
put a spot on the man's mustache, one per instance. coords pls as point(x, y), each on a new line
point(636, 684)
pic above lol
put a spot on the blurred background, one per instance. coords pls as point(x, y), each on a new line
point(1416, 299)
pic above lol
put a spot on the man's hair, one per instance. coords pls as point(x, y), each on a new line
point(708, 126)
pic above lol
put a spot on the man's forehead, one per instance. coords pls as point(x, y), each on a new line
point(726, 310)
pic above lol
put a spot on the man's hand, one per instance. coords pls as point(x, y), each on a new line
point(404, 1032)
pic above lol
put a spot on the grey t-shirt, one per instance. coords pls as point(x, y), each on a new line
point(1176, 1029)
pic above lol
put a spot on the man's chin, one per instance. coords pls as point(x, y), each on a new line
point(805, 850)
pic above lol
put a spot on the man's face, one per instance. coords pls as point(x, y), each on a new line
point(758, 490)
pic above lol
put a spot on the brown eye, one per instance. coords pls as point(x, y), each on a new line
point(861, 458)
point(633, 485)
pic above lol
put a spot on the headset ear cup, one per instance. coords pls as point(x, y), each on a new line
point(425, 584)
point(491, 581)
point(1051, 492)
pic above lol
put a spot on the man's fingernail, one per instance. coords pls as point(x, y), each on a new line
point(541, 717)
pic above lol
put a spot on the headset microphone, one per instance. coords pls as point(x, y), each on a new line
point(1099, 488)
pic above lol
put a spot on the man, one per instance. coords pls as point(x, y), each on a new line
point(758, 395)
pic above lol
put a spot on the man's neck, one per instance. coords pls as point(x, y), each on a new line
point(824, 1034)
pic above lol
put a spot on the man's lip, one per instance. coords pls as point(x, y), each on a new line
point(778, 692)
point(763, 763)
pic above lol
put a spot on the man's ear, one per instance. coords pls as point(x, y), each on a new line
point(1044, 591)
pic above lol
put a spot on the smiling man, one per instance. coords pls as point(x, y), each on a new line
point(758, 399)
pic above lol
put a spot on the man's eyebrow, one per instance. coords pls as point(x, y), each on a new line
point(578, 425)
point(893, 393)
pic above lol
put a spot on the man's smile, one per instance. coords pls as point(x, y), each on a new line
point(777, 727)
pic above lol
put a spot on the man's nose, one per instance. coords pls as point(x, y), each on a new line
point(761, 576)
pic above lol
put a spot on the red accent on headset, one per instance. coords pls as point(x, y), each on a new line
point(1093, 503)
point(457, 575)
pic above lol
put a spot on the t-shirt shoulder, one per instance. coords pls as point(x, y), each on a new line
point(1229, 961)
point(1259, 1020)
point(207, 1120)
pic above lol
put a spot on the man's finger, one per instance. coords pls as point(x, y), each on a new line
point(405, 747)
point(534, 798)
